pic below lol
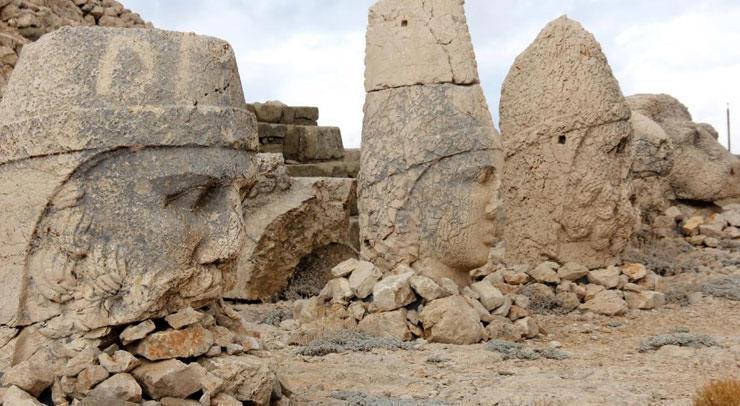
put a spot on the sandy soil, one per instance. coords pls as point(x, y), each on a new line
point(605, 366)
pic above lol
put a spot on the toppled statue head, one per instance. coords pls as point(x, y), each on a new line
point(124, 159)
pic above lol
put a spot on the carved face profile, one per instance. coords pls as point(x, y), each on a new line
point(137, 233)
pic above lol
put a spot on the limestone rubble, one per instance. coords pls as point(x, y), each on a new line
point(565, 127)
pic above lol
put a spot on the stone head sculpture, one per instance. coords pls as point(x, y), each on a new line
point(124, 158)
point(431, 158)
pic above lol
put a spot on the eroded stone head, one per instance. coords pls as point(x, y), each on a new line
point(124, 163)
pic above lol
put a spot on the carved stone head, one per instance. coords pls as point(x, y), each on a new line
point(124, 158)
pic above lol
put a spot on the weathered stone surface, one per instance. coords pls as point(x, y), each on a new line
point(545, 272)
point(363, 279)
point(120, 386)
point(606, 302)
point(515, 278)
point(564, 124)
point(691, 225)
point(644, 300)
point(245, 377)
point(490, 297)
point(82, 360)
point(392, 292)
point(16, 396)
point(286, 220)
point(183, 318)
point(572, 271)
point(451, 320)
point(608, 278)
point(386, 324)
point(427, 288)
point(105, 234)
point(634, 271)
point(426, 128)
point(528, 326)
point(338, 290)
point(344, 268)
point(690, 149)
point(188, 342)
point(137, 331)
point(90, 377)
point(416, 41)
point(168, 378)
point(35, 374)
point(309, 143)
point(120, 361)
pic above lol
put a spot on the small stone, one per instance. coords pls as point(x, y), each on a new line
point(82, 360)
point(247, 378)
point(712, 230)
point(633, 287)
point(608, 278)
point(711, 242)
point(516, 312)
point(503, 329)
point(345, 268)
point(568, 301)
point(545, 272)
point(188, 342)
point(634, 272)
point(592, 290)
point(357, 310)
point(528, 326)
point(521, 301)
point(691, 225)
point(16, 396)
point(451, 320)
point(137, 332)
point(223, 399)
point(90, 377)
point(450, 286)
point(644, 300)
point(386, 324)
point(222, 336)
point(572, 271)
point(490, 297)
point(427, 288)
point(673, 212)
point(467, 292)
point(412, 316)
point(364, 277)
point(623, 280)
point(214, 351)
point(651, 281)
point(120, 361)
point(183, 318)
point(732, 232)
point(696, 239)
point(171, 378)
point(392, 292)
point(607, 302)
point(515, 278)
point(232, 349)
point(120, 386)
point(338, 290)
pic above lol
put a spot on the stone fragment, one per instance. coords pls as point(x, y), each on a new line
point(137, 331)
point(170, 378)
point(188, 342)
point(90, 377)
point(222, 336)
point(644, 300)
point(233, 349)
point(691, 225)
point(711, 242)
point(392, 292)
point(467, 292)
point(287, 219)
point(82, 360)
point(449, 286)
point(608, 278)
point(545, 272)
point(503, 329)
point(528, 326)
point(183, 318)
point(592, 290)
point(244, 377)
point(567, 301)
point(357, 310)
point(575, 203)
point(345, 268)
point(35, 374)
point(712, 230)
point(427, 288)
point(607, 302)
point(572, 271)
point(311, 143)
point(515, 278)
point(504, 309)
point(120, 361)
point(120, 386)
point(364, 278)
point(338, 290)
point(490, 297)
point(17, 396)
point(483, 313)
point(634, 272)
point(386, 324)
point(223, 399)
point(451, 320)
point(517, 312)
point(673, 212)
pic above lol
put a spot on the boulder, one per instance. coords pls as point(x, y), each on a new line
point(451, 320)
point(170, 378)
point(545, 272)
point(608, 278)
point(364, 278)
point(338, 290)
point(188, 342)
point(183, 318)
point(607, 302)
point(490, 297)
point(136, 331)
point(634, 272)
point(119, 361)
point(245, 377)
point(16, 396)
point(392, 292)
point(345, 268)
point(386, 324)
point(427, 288)
point(644, 300)
point(572, 271)
point(528, 327)
point(562, 108)
point(120, 386)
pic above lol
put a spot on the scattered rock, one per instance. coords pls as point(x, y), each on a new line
point(188, 342)
point(691, 225)
point(15, 396)
point(338, 289)
point(451, 320)
point(345, 268)
point(364, 278)
point(633, 271)
point(545, 272)
point(528, 327)
point(136, 332)
point(427, 288)
point(572, 271)
point(515, 278)
point(244, 377)
point(120, 361)
point(183, 318)
point(392, 292)
point(607, 302)
point(120, 386)
point(608, 278)
point(386, 324)
point(644, 300)
point(490, 297)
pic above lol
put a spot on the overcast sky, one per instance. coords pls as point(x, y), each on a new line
point(310, 52)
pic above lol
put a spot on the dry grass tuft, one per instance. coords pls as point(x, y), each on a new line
point(725, 392)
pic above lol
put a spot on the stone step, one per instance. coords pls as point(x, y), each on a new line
point(343, 168)
point(278, 113)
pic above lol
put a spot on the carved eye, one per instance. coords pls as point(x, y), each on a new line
point(189, 199)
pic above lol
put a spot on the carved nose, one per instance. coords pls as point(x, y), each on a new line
point(224, 226)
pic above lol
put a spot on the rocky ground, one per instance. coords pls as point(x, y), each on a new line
point(604, 363)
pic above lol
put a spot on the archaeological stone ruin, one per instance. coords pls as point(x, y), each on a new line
point(149, 211)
